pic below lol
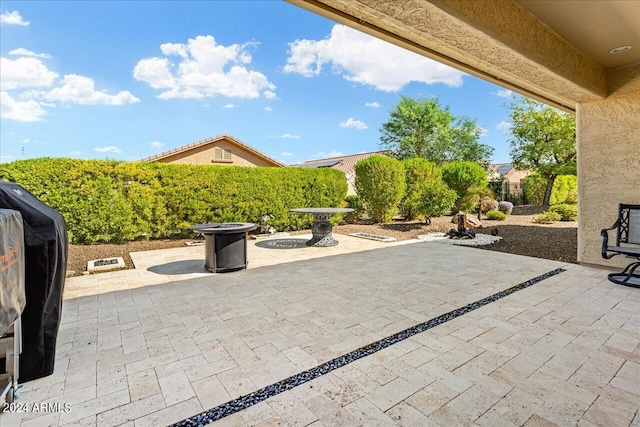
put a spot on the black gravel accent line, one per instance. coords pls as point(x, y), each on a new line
point(243, 402)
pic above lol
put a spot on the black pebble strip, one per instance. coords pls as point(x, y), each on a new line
point(265, 393)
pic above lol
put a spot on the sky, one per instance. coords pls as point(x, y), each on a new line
point(127, 79)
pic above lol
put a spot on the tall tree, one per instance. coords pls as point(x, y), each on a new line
point(543, 139)
point(421, 128)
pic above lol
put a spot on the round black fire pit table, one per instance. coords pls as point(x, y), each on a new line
point(225, 245)
point(322, 229)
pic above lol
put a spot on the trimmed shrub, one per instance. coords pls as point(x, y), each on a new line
point(505, 207)
point(436, 199)
point(565, 190)
point(112, 201)
point(380, 183)
point(419, 174)
point(468, 180)
point(534, 188)
point(572, 197)
point(547, 217)
point(496, 215)
point(354, 203)
point(567, 212)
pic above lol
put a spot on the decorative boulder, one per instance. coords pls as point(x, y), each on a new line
point(470, 220)
point(488, 204)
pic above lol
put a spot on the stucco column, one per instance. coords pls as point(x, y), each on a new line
point(608, 138)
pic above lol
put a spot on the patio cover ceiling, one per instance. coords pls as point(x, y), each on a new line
point(553, 51)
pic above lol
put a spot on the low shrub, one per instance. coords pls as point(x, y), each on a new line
point(505, 207)
point(496, 215)
point(567, 212)
point(354, 203)
point(547, 217)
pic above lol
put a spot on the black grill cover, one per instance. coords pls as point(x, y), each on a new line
point(46, 246)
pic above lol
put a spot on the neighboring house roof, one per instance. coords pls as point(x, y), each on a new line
point(502, 168)
point(344, 163)
point(212, 141)
point(508, 171)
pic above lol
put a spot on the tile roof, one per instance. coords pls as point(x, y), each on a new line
point(344, 163)
point(211, 140)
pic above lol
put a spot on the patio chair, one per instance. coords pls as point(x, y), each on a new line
point(627, 228)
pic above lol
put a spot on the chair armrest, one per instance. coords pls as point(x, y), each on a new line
point(605, 239)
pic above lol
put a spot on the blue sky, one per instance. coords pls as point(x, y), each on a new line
point(125, 80)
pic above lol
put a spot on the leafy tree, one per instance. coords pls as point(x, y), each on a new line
point(468, 180)
point(421, 128)
point(543, 139)
point(380, 185)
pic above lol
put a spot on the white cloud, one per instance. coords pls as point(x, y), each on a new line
point(205, 69)
point(372, 105)
point(268, 108)
point(26, 140)
point(25, 72)
point(356, 124)
point(157, 144)
point(78, 89)
point(109, 149)
point(13, 18)
point(505, 127)
point(365, 59)
point(74, 153)
point(286, 153)
point(230, 106)
point(24, 52)
point(155, 71)
point(288, 135)
point(503, 93)
point(22, 111)
point(323, 155)
point(483, 131)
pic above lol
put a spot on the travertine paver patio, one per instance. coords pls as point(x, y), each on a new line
point(564, 351)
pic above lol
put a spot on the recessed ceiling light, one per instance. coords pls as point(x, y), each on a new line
point(620, 49)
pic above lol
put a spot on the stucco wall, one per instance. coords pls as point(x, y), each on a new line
point(205, 155)
point(608, 137)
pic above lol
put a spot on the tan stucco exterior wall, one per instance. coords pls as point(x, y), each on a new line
point(608, 138)
point(205, 156)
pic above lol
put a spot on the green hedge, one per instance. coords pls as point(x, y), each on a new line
point(111, 201)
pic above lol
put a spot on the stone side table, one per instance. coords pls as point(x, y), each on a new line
point(322, 228)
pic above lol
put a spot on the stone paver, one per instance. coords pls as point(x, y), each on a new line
point(153, 346)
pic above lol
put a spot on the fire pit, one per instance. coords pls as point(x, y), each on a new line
point(225, 245)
